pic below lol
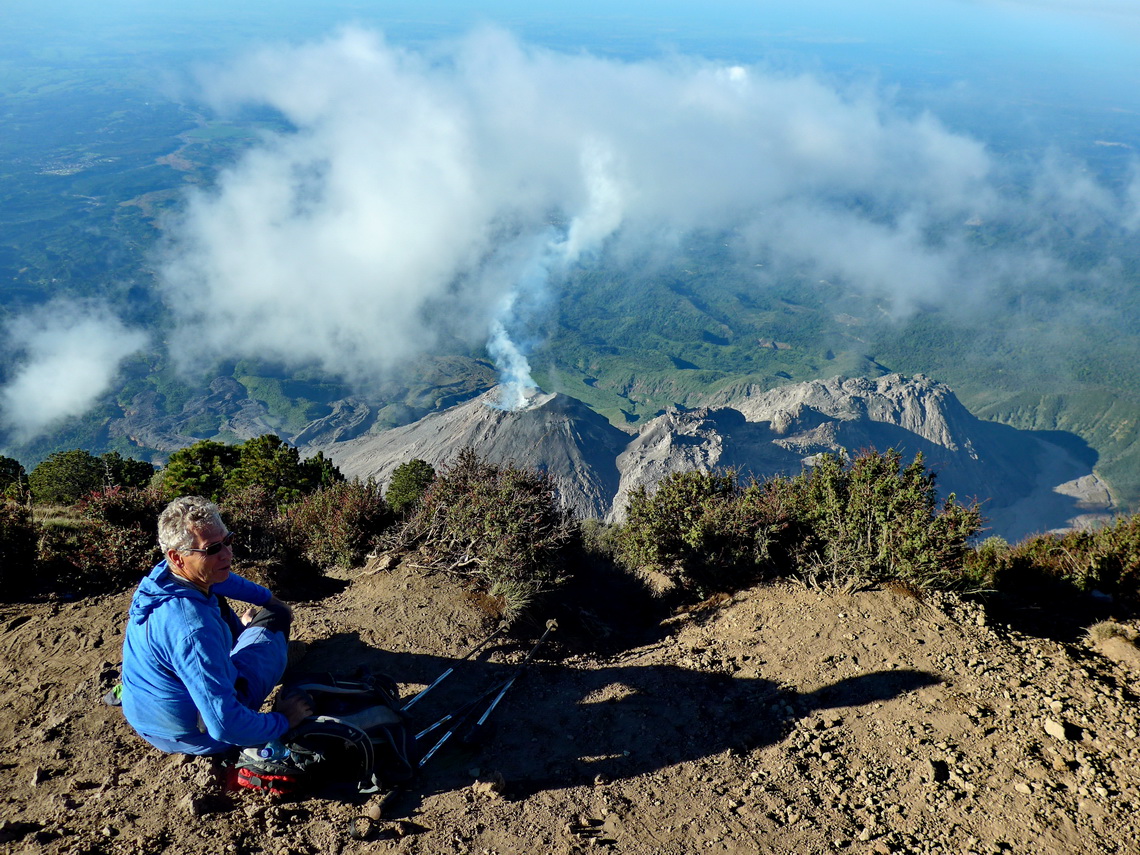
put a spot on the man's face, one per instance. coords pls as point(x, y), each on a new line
point(199, 568)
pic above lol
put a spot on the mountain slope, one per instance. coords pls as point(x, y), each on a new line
point(1028, 481)
point(555, 433)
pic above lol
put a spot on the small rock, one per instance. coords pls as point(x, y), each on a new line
point(1057, 730)
point(192, 805)
point(493, 786)
point(1024, 789)
point(39, 775)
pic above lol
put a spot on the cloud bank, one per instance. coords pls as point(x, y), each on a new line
point(424, 197)
point(66, 356)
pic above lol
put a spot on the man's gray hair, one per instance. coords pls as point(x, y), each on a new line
point(182, 518)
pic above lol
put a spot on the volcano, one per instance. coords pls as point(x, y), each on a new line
point(554, 433)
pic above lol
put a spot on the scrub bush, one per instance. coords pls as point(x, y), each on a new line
point(110, 546)
point(702, 532)
point(340, 524)
point(267, 548)
point(858, 523)
point(873, 519)
point(408, 484)
point(1105, 559)
point(500, 527)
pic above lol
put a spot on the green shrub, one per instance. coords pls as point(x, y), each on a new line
point(65, 477)
point(17, 549)
point(861, 522)
point(701, 532)
point(981, 563)
point(408, 484)
point(119, 471)
point(600, 540)
point(199, 469)
point(216, 470)
point(499, 526)
point(13, 479)
point(339, 524)
point(872, 519)
point(267, 462)
point(1106, 559)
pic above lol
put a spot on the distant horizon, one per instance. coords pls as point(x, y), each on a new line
point(942, 55)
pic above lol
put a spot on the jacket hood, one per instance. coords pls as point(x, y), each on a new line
point(156, 588)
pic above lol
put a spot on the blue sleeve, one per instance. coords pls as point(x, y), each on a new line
point(203, 665)
point(234, 587)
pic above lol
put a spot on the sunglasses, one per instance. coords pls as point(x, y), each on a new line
point(214, 548)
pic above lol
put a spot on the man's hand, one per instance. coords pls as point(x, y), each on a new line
point(272, 602)
point(295, 707)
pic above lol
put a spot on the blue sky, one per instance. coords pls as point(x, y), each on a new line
point(1081, 30)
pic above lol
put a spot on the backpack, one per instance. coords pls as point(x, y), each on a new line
point(357, 735)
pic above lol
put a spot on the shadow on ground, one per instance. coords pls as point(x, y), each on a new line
point(563, 725)
point(1053, 610)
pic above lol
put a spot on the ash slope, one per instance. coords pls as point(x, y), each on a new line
point(556, 433)
point(1027, 482)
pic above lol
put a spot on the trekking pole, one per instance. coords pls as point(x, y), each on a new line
point(502, 625)
point(551, 625)
point(464, 715)
point(461, 713)
point(461, 717)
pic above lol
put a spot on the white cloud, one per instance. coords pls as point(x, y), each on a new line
point(421, 191)
point(65, 355)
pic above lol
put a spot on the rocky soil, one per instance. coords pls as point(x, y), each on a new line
point(782, 719)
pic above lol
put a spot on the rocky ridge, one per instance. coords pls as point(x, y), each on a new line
point(1028, 482)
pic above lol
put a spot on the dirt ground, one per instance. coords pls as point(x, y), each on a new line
point(783, 719)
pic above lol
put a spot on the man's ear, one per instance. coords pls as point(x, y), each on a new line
point(175, 558)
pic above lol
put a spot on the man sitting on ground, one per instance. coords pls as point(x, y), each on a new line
point(194, 674)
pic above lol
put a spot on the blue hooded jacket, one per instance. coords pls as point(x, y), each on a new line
point(179, 682)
